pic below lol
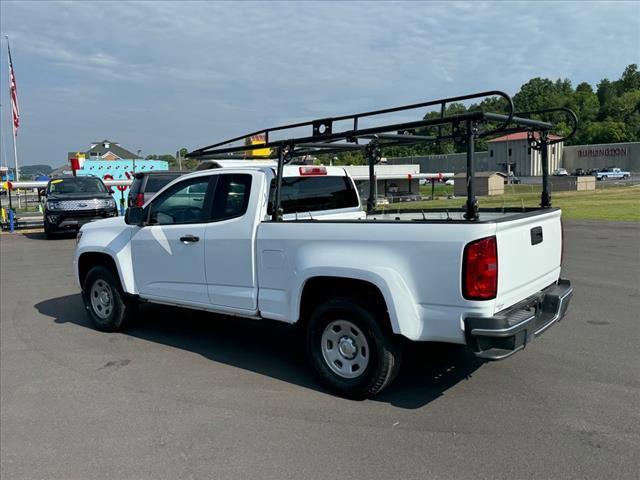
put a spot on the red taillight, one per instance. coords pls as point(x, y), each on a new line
point(480, 269)
point(139, 200)
point(304, 171)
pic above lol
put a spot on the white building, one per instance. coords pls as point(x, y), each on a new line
point(514, 149)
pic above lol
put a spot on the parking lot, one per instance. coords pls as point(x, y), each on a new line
point(189, 395)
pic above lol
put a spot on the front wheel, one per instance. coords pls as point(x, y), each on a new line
point(104, 300)
point(48, 232)
point(350, 350)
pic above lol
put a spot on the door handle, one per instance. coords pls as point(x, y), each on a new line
point(189, 239)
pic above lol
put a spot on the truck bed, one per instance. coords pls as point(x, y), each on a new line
point(415, 260)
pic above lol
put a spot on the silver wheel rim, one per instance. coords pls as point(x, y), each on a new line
point(345, 349)
point(101, 299)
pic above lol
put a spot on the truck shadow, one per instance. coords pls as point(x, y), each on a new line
point(276, 350)
point(43, 236)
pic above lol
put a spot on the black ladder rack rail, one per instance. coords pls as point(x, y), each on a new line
point(465, 129)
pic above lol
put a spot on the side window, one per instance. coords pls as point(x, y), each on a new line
point(309, 194)
point(232, 196)
point(185, 202)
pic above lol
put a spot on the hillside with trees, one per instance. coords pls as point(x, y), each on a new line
point(177, 161)
point(608, 114)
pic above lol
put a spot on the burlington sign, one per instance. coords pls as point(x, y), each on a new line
point(603, 152)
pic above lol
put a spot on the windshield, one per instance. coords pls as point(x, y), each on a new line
point(77, 185)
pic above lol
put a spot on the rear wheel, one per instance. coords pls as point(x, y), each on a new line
point(604, 177)
point(104, 300)
point(350, 350)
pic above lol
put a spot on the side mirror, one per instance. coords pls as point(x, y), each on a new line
point(111, 191)
point(134, 216)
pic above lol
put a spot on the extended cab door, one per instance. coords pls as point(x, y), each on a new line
point(168, 254)
point(230, 241)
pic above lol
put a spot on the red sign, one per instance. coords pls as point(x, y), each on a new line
point(75, 163)
point(122, 188)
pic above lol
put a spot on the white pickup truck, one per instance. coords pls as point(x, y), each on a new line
point(611, 173)
point(358, 284)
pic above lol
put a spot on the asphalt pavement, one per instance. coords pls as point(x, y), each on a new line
point(189, 395)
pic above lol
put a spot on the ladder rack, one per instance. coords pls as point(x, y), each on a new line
point(285, 143)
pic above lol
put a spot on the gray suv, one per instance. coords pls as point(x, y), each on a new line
point(146, 184)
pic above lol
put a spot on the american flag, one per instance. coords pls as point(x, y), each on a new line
point(13, 91)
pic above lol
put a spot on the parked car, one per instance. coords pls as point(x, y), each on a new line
point(511, 179)
point(73, 201)
point(560, 172)
point(146, 184)
point(358, 285)
point(580, 172)
point(611, 173)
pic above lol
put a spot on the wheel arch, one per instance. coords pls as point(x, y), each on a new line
point(87, 260)
point(318, 288)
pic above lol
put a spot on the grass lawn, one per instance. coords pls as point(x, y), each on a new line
point(613, 203)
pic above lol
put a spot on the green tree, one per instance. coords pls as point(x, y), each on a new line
point(606, 132)
point(585, 103)
point(630, 80)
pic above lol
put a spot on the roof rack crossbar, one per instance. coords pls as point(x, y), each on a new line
point(321, 126)
point(401, 138)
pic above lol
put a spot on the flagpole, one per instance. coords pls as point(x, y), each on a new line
point(15, 157)
point(13, 125)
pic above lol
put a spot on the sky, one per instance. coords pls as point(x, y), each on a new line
point(157, 76)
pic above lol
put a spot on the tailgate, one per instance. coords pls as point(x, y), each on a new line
point(529, 256)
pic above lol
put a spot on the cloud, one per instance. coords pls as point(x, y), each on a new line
point(160, 75)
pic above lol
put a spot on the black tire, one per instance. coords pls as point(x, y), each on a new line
point(106, 317)
point(384, 352)
point(47, 230)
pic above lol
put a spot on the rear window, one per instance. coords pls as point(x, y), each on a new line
point(308, 194)
point(135, 186)
point(155, 183)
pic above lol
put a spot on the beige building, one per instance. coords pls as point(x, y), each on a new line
point(622, 155)
point(514, 150)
